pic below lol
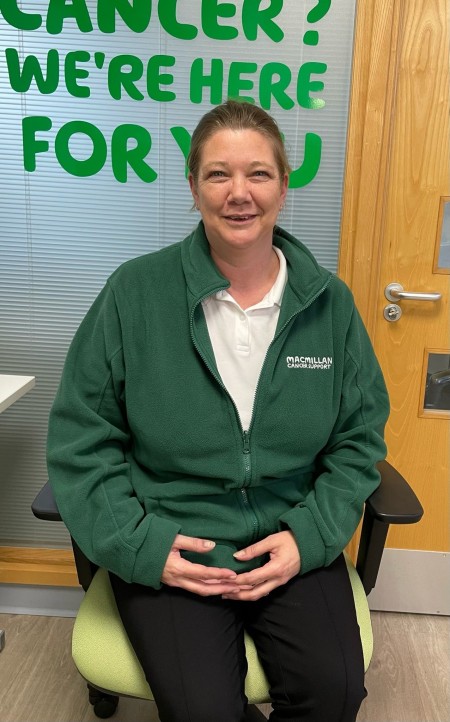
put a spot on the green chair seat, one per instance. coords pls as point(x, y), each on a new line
point(105, 658)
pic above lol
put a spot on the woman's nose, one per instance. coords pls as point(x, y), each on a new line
point(239, 189)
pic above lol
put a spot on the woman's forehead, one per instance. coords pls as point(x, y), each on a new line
point(227, 145)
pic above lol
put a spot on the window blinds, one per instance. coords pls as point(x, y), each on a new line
point(62, 235)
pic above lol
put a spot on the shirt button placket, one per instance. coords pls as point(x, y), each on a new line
point(243, 332)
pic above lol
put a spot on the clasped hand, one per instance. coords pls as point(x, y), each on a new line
point(284, 563)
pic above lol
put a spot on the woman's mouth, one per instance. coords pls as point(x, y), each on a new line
point(244, 218)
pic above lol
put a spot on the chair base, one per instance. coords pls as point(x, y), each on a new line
point(104, 704)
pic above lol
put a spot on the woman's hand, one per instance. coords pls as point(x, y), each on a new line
point(283, 565)
point(196, 578)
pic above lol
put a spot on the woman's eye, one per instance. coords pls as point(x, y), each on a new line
point(216, 174)
point(261, 173)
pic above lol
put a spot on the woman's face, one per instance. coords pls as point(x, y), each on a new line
point(239, 191)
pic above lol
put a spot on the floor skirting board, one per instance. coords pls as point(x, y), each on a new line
point(412, 581)
point(40, 600)
point(408, 581)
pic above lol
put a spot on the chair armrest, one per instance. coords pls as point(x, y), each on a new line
point(393, 502)
point(44, 505)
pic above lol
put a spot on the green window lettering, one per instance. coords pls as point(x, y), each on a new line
point(17, 18)
point(269, 87)
point(31, 125)
point(59, 10)
point(167, 17)
point(311, 162)
point(199, 80)
point(20, 79)
point(135, 14)
point(155, 78)
point(88, 166)
point(211, 11)
point(305, 85)
point(236, 83)
point(72, 73)
point(253, 18)
point(122, 156)
point(120, 77)
point(318, 11)
point(183, 140)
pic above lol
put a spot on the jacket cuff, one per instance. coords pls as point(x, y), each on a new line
point(309, 541)
point(152, 556)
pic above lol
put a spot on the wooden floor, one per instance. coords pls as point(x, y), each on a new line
point(408, 680)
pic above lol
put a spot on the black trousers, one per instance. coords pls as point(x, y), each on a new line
point(192, 649)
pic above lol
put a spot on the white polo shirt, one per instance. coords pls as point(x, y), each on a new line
point(240, 339)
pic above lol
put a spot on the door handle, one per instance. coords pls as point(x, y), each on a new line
point(394, 292)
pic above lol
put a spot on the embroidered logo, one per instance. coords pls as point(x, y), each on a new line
point(309, 362)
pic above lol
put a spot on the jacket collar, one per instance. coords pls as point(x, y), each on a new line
point(306, 279)
point(202, 275)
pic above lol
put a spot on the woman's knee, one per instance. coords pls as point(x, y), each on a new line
point(343, 683)
point(329, 691)
point(343, 687)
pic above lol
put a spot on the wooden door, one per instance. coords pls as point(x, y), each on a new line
point(396, 179)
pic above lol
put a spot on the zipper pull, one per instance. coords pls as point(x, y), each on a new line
point(247, 459)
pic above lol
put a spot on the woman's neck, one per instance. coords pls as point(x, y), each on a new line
point(250, 277)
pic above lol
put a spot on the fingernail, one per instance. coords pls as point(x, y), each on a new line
point(240, 554)
point(208, 544)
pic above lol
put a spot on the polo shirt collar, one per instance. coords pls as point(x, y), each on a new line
point(273, 297)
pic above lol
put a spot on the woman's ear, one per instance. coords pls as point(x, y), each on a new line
point(193, 188)
point(284, 187)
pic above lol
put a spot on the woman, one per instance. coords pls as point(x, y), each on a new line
point(214, 439)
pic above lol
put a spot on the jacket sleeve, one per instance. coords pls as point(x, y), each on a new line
point(87, 455)
point(326, 520)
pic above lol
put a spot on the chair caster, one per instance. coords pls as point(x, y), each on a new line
point(104, 704)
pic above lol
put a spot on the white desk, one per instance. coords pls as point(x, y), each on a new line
point(12, 388)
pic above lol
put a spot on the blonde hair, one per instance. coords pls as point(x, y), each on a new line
point(235, 115)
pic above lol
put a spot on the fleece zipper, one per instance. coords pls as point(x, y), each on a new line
point(247, 460)
point(244, 492)
point(245, 434)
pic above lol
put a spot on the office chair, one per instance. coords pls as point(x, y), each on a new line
point(105, 658)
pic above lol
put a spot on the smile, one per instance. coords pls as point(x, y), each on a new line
point(240, 219)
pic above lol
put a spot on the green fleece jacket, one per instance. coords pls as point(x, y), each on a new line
point(145, 442)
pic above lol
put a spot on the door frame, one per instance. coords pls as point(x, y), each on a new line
point(368, 140)
point(370, 121)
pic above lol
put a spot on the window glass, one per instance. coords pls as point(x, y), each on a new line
point(437, 385)
point(82, 89)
